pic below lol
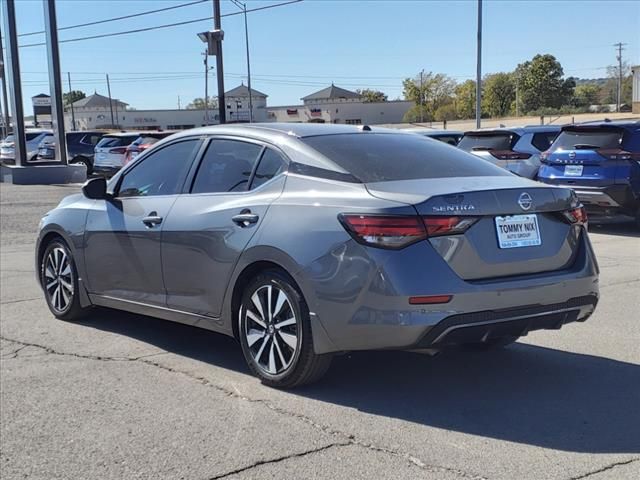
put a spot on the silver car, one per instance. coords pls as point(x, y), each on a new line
point(34, 138)
point(516, 149)
point(305, 240)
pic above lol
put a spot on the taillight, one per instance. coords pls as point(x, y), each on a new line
point(618, 154)
point(576, 215)
point(384, 231)
point(400, 231)
point(509, 155)
point(118, 150)
point(437, 226)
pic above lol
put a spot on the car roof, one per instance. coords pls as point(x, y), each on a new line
point(124, 134)
point(432, 131)
point(519, 130)
point(627, 124)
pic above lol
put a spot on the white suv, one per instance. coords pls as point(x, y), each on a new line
point(34, 138)
point(110, 152)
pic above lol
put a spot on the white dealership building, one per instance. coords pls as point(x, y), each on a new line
point(329, 105)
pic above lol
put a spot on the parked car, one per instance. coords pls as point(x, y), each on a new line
point(516, 149)
point(34, 138)
point(143, 142)
point(80, 148)
point(304, 240)
point(110, 152)
point(452, 137)
point(601, 162)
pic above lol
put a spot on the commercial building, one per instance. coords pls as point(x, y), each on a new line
point(635, 89)
point(329, 105)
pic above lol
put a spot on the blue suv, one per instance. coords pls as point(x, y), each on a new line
point(601, 162)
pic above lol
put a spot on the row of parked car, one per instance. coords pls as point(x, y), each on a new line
point(600, 161)
point(101, 152)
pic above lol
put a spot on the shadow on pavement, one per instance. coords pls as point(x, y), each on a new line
point(628, 229)
point(526, 394)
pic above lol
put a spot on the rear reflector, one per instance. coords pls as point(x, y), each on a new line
point(118, 150)
point(576, 215)
point(509, 155)
point(430, 299)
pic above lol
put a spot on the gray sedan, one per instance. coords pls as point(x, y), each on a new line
point(304, 240)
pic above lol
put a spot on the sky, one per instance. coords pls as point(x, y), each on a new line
point(302, 47)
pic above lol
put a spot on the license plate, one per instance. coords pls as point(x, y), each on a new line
point(518, 231)
point(573, 170)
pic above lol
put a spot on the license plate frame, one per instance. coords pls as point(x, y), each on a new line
point(518, 231)
point(573, 170)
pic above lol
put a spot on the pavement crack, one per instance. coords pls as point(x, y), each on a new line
point(21, 300)
point(605, 468)
point(278, 459)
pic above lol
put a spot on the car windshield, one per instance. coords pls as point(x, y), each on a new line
point(588, 139)
point(389, 157)
point(119, 141)
point(483, 141)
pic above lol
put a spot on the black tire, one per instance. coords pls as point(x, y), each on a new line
point(492, 344)
point(270, 336)
point(83, 161)
point(65, 304)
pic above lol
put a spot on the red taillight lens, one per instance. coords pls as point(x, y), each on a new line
point(437, 226)
point(576, 215)
point(400, 231)
point(118, 150)
point(618, 154)
point(384, 231)
point(509, 155)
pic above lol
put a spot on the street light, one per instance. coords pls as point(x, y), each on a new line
point(243, 7)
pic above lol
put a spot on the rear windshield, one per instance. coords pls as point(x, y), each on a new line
point(120, 141)
point(588, 139)
point(484, 141)
point(388, 157)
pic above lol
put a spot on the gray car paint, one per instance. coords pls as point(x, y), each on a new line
point(357, 295)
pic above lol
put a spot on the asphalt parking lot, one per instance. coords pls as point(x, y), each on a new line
point(121, 396)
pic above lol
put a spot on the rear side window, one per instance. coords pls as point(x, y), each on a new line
point(588, 139)
point(389, 157)
point(542, 141)
point(488, 141)
point(226, 167)
point(31, 136)
point(91, 139)
point(271, 164)
point(119, 141)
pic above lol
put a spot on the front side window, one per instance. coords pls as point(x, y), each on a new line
point(271, 164)
point(160, 173)
point(226, 167)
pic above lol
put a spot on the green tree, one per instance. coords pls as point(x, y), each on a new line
point(586, 94)
point(541, 83)
point(465, 99)
point(498, 94)
point(371, 96)
point(198, 103)
point(610, 89)
point(431, 91)
point(72, 97)
point(445, 112)
point(417, 113)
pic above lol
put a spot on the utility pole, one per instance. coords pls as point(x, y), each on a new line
point(479, 65)
point(243, 7)
point(178, 102)
point(206, 87)
point(421, 98)
point(110, 101)
point(73, 115)
point(5, 104)
point(619, 45)
point(219, 67)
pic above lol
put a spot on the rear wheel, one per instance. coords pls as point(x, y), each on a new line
point(275, 333)
point(83, 161)
point(59, 280)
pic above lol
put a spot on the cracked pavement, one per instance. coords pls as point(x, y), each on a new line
point(125, 396)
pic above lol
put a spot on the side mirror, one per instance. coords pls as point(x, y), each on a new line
point(95, 189)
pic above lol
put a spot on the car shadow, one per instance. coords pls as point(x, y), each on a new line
point(627, 229)
point(526, 394)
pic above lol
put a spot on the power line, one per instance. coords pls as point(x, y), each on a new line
point(158, 27)
point(124, 17)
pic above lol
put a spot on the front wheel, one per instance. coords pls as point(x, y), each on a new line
point(275, 333)
point(59, 280)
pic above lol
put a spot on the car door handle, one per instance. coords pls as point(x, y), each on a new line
point(245, 219)
point(152, 220)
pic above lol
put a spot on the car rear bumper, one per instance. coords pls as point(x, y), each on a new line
point(378, 314)
point(608, 201)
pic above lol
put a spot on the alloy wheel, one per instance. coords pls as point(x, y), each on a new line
point(58, 279)
point(271, 329)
